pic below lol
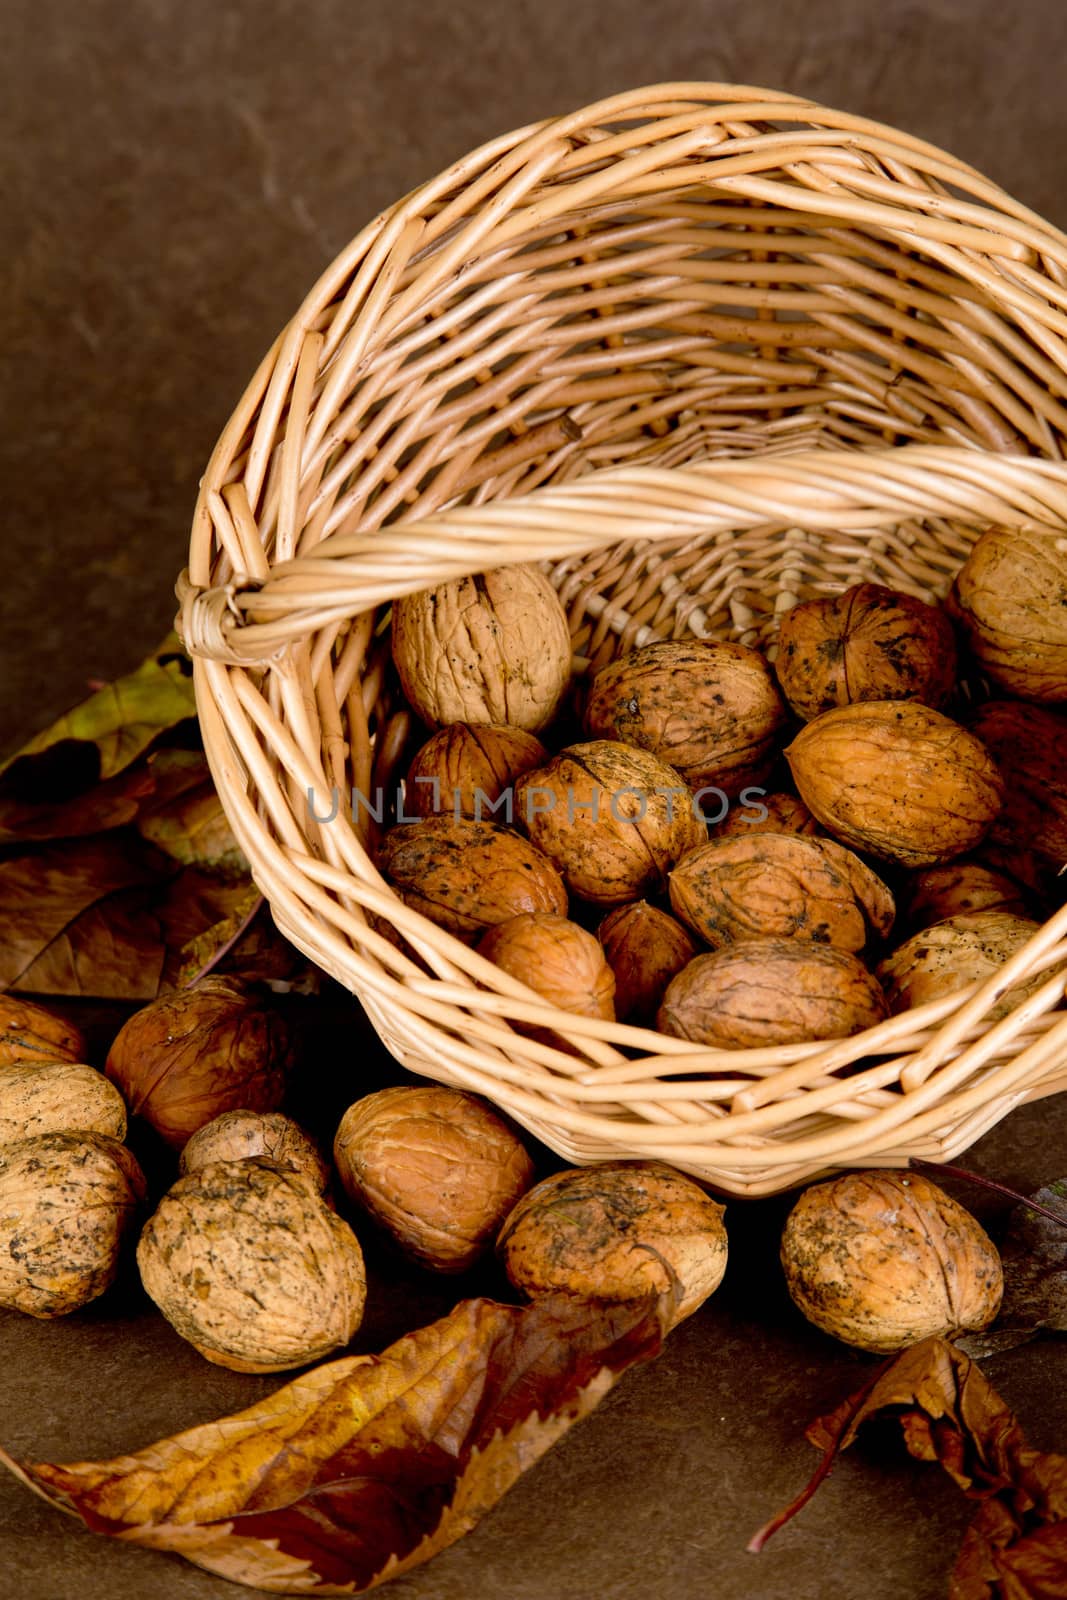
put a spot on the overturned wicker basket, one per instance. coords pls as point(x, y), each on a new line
point(702, 351)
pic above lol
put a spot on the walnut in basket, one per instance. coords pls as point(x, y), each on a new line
point(778, 812)
point(1011, 597)
point(710, 710)
point(614, 819)
point(955, 890)
point(559, 960)
point(961, 950)
point(870, 643)
point(490, 648)
point(1030, 744)
point(897, 780)
point(436, 1168)
point(780, 886)
point(771, 992)
point(468, 769)
point(466, 876)
point(645, 948)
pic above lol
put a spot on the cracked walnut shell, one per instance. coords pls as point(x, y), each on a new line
point(245, 1260)
point(494, 647)
point(881, 1260)
point(436, 1168)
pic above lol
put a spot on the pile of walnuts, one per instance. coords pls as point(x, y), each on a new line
point(736, 850)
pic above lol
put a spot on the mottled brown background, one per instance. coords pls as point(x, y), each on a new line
point(175, 176)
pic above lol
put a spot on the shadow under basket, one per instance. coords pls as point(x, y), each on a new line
point(701, 351)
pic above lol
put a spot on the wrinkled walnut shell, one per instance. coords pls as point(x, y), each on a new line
point(613, 819)
point(68, 1202)
point(645, 949)
point(711, 711)
point(248, 1264)
point(436, 1168)
point(250, 1135)
point(949, 955)
point(897, 780)
point(770, 992)
point(467, 770)
point(869, 643)
point(186, 1058)
point(780, 886)
point(617, 1231)
point(1011, 597)
point(467, 876)
point(556, 958)
point(881, 1260)
point(957, 890)
point(491, 648)
point(30, 1033)
point(58, 1097)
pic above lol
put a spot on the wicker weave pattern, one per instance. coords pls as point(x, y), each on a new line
point(704, 351)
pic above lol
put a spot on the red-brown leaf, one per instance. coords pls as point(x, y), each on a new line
point(1016, 1548)
point(367, 1466)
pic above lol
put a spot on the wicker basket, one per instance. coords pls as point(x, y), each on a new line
point(703, 351)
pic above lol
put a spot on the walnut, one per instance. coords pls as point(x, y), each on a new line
point(961, 950)
point(962, 886)
point(58, 1097)
point(184, 1059)
point(881, 1260)
point(436, 1168)
point(869, 643)
point(245, 1260)
point(466, 876)
point(645, 949)
point(30, 1033)
point(897, 780)
point(248, 1135)
point(613, 819)
point(770, 992)
point(467, 770)
point(1029, 743)
point(760, 812)
point(560, 961)
point(1011, 597)
point(492, 648)
point(711, 711)
point(617, 1231)
point(779, 886)
point(68, 1201)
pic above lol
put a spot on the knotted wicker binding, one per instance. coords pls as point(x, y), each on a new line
point(704, 351)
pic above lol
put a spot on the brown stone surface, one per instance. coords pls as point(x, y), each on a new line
point(175, 177)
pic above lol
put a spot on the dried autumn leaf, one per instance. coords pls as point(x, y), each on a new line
point(122, 719)
point(367, 1466)
point(184, 816)
point(112, 804)
point(1016, 1547)
point(68, 930)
